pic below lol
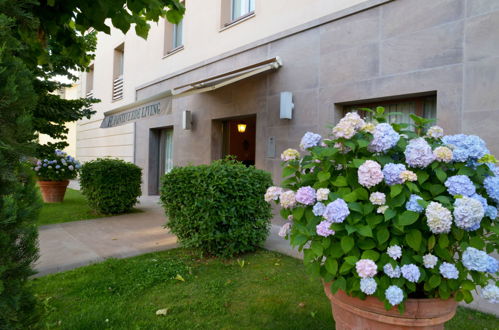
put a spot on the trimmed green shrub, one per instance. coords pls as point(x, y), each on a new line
point(218, 208)
point(111, 186)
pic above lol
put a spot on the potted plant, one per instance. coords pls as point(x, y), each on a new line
point(393, 217)
point(54, 175)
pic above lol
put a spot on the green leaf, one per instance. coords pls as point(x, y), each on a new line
point(287, 171)
point(408, 218)
point(357, 207)
point(413, 238)
point(434, 281)
point(382, 235)
point(366, 244)
point(317, 247)
point(362, 143)
point(362, 194)
point(323, 176)
point(339, 283)
point(370, 254)
point(299, 240)
point(340, 181)
point(298, 213)
point(365, 231)
point(431, 242)
point(389, 214)
point(358, 162)
point(395, 190)
point(477, 242)
point(350, 229)
point(331, 266)
point(345, 268)
point(437, 189)
point(441, 175)
point(443, 241)
point(422, 176)
point(351, 260)
point(351, 197)
point(347, 243)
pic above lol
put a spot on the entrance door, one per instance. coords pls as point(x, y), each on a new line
point(165, 151)
point(240, 139)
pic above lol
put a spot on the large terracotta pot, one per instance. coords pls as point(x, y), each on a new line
point(53, 191)
point(354, 313)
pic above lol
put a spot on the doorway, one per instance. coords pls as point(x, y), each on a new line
point(239, 139)
point(160, 157)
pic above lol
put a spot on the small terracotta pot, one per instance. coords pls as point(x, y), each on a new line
point(53, 191)
point(354, 313)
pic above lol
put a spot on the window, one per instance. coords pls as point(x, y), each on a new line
point(242, 8)
point(173, 37)
point(89, 83)
point(118, 69)
point(425, 106)
point(236, 10)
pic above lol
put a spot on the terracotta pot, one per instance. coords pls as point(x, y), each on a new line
point(354, 313)
point(53, 191)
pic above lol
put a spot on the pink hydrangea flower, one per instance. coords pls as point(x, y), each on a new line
point(366, 268)
point(305, 195)
point(370, 174)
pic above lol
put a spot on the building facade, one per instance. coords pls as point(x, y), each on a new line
point(282, 68)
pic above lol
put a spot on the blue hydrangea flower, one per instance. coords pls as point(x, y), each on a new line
point(305, 195)
point(323, 229)
point(368, 285)
point(336, 211)
point(310, 140)
point(491, 212)
point(391, 172)
point(394, 252)
point(465, 147)
point(448, 270)
point(394, 294)
point(460, 185)
point(392, 272)
point(418, 153)
point(474, 259)
point(491, 184)
point(384, 138)
point(492, 265)
point(491, 293)
point(413, 205)
point(318, 209)
point(411, 272)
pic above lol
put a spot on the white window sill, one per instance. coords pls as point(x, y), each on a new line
point(173, 51)
point(238, 20)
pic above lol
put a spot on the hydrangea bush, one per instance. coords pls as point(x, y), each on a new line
point(394, 212)
point(59, 168)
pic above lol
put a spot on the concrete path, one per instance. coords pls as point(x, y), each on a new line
point(73, 244)
point(70, 245)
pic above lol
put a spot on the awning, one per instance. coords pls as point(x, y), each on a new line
point(162, 103)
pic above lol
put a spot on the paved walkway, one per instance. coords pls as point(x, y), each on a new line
point(70, 245)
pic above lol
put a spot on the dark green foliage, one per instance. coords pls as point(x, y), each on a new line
point(111, 186)
point(218, 208)
point(18, 245)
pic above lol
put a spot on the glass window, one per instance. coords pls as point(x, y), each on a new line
point(166, 151)
point(421, 106)
point(177, 35)
point(242, 7)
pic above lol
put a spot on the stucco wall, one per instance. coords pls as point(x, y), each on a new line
point(400, 48)
point(203, 39)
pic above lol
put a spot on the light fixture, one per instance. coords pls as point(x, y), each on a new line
point(241, 127)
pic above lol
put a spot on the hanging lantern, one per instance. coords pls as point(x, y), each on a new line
point(241, 127)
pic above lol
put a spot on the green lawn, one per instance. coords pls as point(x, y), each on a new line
point(73, 208)
point(264, 290)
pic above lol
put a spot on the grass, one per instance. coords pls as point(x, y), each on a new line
point(263, 290)
point(73, 208)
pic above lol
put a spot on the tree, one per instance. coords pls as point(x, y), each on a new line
point(40, 39)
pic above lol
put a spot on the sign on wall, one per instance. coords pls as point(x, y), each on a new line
point(161, 107)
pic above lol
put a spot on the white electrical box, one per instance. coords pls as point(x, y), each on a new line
point(286, 105)
point(186, 120)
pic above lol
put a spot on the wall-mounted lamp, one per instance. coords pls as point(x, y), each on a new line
point(286, 105)
point(241, 127)
point(186, 120)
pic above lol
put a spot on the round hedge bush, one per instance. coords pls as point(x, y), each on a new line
point(111, 186)
point(218, 208)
